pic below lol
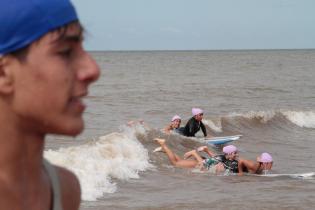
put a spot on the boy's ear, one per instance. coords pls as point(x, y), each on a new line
point(6, 76)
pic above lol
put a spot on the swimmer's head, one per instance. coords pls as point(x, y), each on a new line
point(230, 149)
point(176, 117)
point(196, 111)
point(24, 22)
point(265, 158)
point(265, 161)
point(176, 120)
point(230, 152)
point(197, 114)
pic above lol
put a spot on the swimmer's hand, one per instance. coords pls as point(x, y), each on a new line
point(202, 148)
point(160, 141)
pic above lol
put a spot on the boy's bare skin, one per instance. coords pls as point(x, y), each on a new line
point(176, 160)
point(41, 95)
point(253, 167)
point(191, 159)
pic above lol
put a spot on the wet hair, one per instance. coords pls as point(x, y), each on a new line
point(21, 54)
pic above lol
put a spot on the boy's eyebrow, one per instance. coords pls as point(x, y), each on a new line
point(73, 38)
point(78, 37)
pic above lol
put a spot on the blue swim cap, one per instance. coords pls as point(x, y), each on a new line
point(24, 21)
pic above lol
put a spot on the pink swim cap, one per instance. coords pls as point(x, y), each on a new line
point(196, 111)
point(229, 149)
point(176, 117)
point(265, 158)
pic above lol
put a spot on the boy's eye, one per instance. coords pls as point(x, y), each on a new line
point(66, 52)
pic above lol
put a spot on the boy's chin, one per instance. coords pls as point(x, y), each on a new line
point(71, 129)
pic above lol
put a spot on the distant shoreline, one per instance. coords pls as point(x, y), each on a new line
point(203, 50)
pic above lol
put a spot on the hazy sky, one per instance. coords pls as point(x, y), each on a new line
point(197, 24)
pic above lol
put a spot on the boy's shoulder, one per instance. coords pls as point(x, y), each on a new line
point(70, 189)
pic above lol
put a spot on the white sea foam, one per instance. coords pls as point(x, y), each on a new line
point(117, 155)
point(302, 119)
point(212, 125)
point(262, 116)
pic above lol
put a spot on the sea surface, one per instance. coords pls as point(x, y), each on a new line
point(267, 96)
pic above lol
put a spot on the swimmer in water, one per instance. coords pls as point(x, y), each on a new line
point(224, 162)
point(191, 159)
point(194, 124)
point(174, 126)
point(181, 162)
point(262, 164)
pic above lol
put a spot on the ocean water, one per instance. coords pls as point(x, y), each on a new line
point(266, 96)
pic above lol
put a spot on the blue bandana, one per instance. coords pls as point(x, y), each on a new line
point(24, 21)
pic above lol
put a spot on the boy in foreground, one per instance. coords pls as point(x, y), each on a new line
point(44, 74)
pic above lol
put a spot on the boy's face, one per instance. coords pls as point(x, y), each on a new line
point(199, 117)
point(176, 123)
point(232, 156)
point(50, 83)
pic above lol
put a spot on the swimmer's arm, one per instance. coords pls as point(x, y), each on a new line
point(206, 150)
point(240, 167)
point(248, 164)
point(203, 128)
point(210, 153)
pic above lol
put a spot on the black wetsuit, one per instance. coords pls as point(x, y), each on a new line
point(193, 126)
point(180, 130)
point(231, 165)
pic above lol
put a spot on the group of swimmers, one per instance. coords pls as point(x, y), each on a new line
point(228, 161)
point(193, 125)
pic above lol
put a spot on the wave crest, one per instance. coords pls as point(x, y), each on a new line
point(117, 155)
point(301, 119)
point(261, 116)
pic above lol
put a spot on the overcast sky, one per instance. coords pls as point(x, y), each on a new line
point(197, 24)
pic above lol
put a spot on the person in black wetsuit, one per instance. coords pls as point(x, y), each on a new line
point(229, 159)
point(194, 124)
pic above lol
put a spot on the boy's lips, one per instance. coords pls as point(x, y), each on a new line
point(77, 104)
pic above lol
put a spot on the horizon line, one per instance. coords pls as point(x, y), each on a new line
point(179, 50)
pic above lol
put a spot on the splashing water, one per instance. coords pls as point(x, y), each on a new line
point(117, 155)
